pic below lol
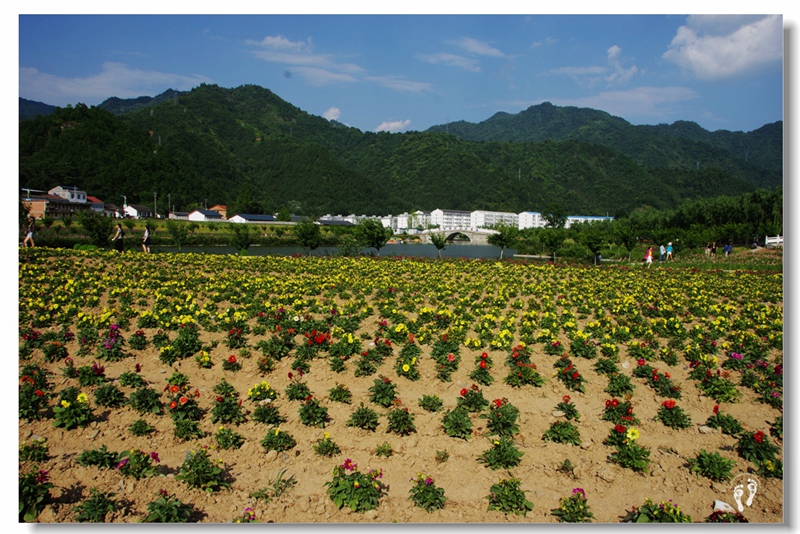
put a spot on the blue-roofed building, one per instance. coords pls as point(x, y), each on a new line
point(205, 216)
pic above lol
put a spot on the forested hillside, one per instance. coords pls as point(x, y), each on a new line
point(250, 149)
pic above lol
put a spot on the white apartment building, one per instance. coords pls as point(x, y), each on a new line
point(483, 219)
point(69, 192)
point(450, 219)
point(572, 219)
point(531, 219)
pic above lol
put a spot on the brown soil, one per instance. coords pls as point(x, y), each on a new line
point(610, 489)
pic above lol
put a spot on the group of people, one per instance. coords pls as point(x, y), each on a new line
point(120, 233)
point(711, 249)
point(30, 234)
point(664, 254)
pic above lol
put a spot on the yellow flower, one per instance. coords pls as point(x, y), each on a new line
point(327, 435)
point(64, 404)
point(82, 398)
point(633, 434)
point(406, 367)
point(277, 431)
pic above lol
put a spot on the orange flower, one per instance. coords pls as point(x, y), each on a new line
point(183, 400)
point(173, 389)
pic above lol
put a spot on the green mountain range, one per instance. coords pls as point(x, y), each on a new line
point(248, 148)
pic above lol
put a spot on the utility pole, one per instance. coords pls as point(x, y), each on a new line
point(155, 206)
point(169, 203)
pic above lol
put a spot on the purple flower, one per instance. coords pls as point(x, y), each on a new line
point(428, 481)
point(122, 464)
point(579, 490)
point(776, 394)
point(736, 356)
point(154, 457)
point(42, 477)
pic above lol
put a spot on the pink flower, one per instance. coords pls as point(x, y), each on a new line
point(451, 357)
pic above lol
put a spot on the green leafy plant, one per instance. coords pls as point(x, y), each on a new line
point(728, 424)
point(503, 454)
point(278, 487)
point(340, 393)
point(363, 417)
point(140, 427)
point(400, 420)
point(268, 414)
point(228, 439)
point(231, 363)
point(359, 491)
point(167, 508)
point(95, 507)
point(109, 395)
point(297, 390)
point(568, 409)
point(278, 440)
point(776, 428)
point(507, 497)
point(755, 447)
point(619, 385)
point(425, 494)
point(384, 450)
point(262, 392)
point(32, 402)
point(198, 471)
point(672, 415)
point(383, 392)
point(567, 468)
point(138, 341)
point(73, 410)
point(619, 412)
point(131, 380)
point(720, 516)
point(35, 451)
point(101, 457)
point(34, 490)
point(430, 403)
point(502, 418)
point(573, 509)
point(227, 410)
point(712, 466)
point(631, 456)
point(91, 375)
point(137, 464)
point(563, 432)
point(312, 413)
point(326, 447)
point(442, 456)
point(720, 388)
point(472, 399)
point(649, 512)
point(146, 400)
point(457, 423)
point(186, 429)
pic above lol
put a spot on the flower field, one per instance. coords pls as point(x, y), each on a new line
point(204, 388)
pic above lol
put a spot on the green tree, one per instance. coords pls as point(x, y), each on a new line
point(594, 235)
point(178, 232)
point(555, 215)
point(439, 241)
point(625, 234)
point(372, 233)
point(283, 215)
point(130, 224)
point(241, 235)
point(97, 227)
point(505, 237)
point(552, 238)
point(308, 234)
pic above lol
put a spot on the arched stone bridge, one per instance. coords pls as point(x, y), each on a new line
point(476, 237)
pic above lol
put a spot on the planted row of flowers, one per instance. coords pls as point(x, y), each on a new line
point(440, 315)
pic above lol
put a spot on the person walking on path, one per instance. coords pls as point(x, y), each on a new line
point(146, 239)
point(117, 239)
point(30, 232)
point(669, 251)
point(662, 252)
point(714, 251)
point(648, 257)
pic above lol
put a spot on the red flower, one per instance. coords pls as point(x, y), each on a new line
point(232, 358)
point(173, 389)
point(716, 409)
point(173, 405)
point(39, 393)
point(483, 364)
point(463, 392)
point(640, 361)
point(668, 404)
point(484, 356)
point(759, 436)
point(620, 429)
point(290, 375)
point(565, 398)
point(183, 400)
point(498, 402)
point(219, 399)
point(614, 403)
point(575, 375)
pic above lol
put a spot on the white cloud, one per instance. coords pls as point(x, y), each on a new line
point(393, 126)
point(451, 60)
point(400, 84)
point(316, 76)
point(714, 48)
point(479, 48)
point(115, 79)
point(332, 114)
point(549, 42)
point(279, 42)
point(594, 75)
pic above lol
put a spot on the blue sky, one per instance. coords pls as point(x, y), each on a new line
point(409, 72)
